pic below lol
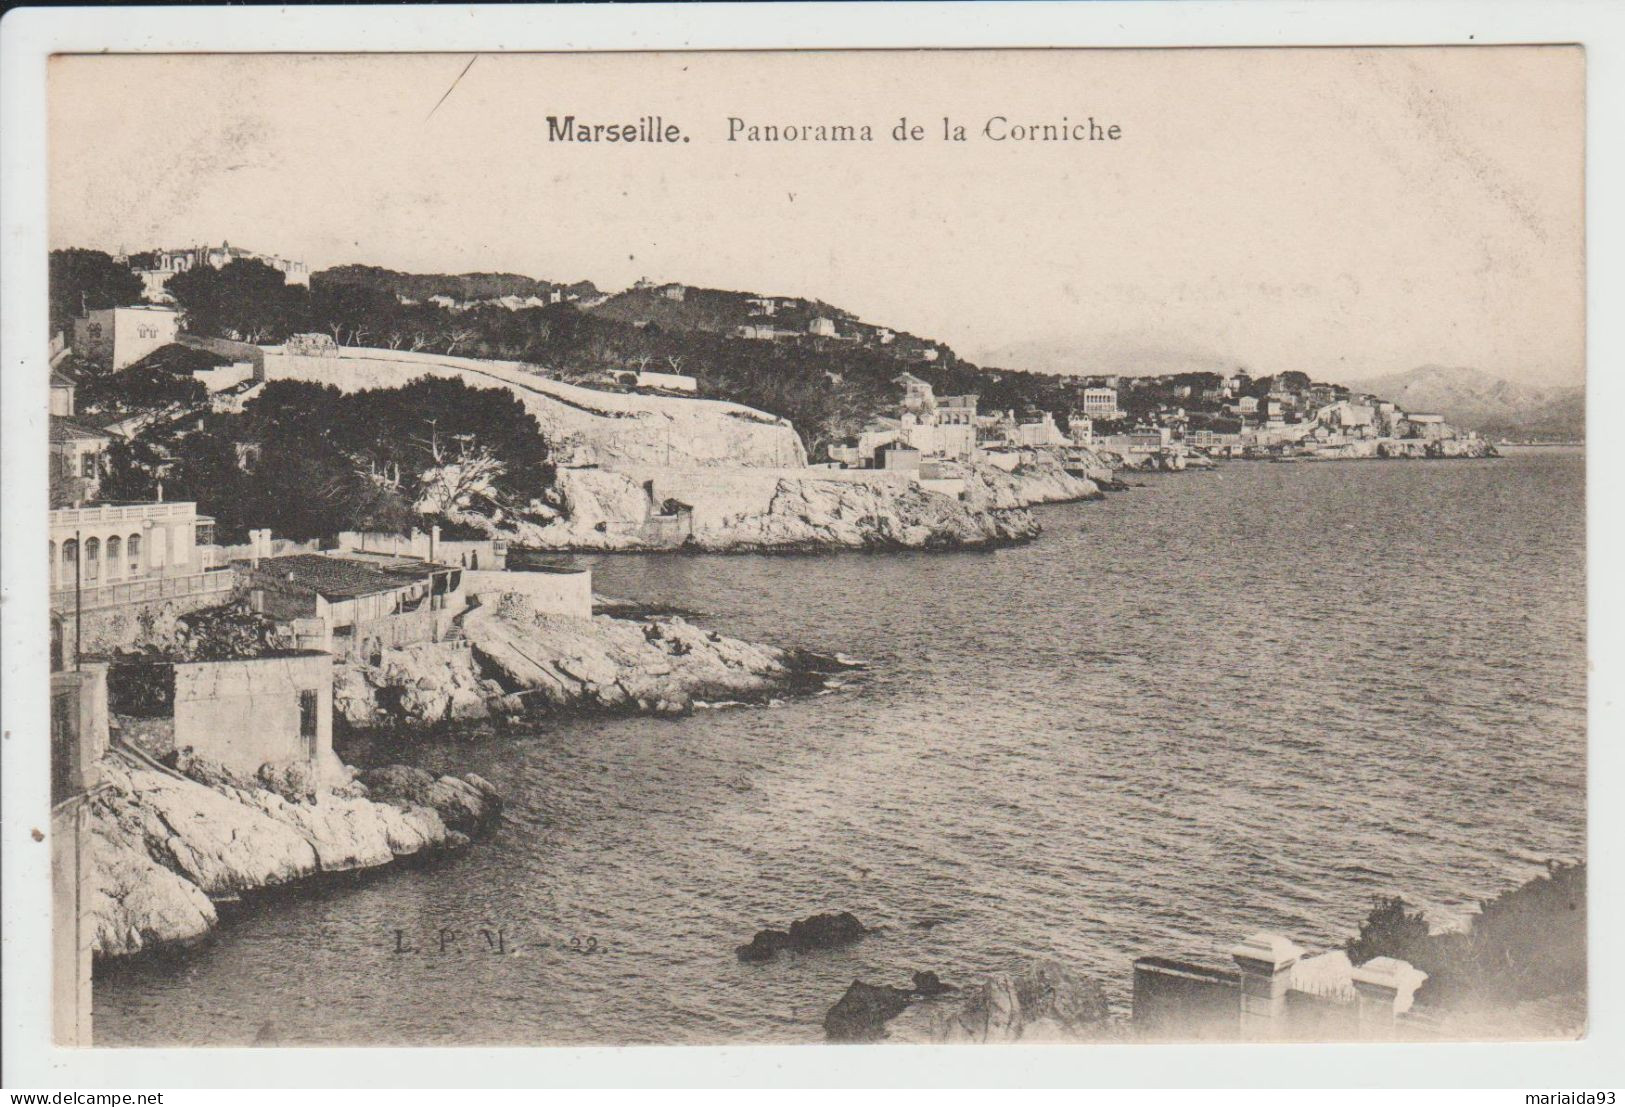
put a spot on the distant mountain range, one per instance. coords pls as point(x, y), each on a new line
point(1490, 405)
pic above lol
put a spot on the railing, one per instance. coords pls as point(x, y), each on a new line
point(110, 513)
point(144, 590)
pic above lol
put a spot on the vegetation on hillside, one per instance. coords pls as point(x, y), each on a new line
point(88, 280)
point(830, 389)
point(1527, 943)
point(307, 460)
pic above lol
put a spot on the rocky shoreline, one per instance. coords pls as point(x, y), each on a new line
point(170, 845)
point(745, 510)
point(511, 662)
point(175, 838)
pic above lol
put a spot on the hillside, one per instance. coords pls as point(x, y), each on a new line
point(1491, 405)
point(461, 286)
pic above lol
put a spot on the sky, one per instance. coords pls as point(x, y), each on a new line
point(1343, 212)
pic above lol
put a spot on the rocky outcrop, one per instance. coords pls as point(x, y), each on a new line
point(1043, 480)
point(1045, 1002)
point(166, 845)
point(817, 932)
point(427, 682)
point(513, 661)
point(725, 510)
point(861, 1014)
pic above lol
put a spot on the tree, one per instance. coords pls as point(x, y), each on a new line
point(145, 386)
point(87, 280)
point(1390, 930)
point(246, 300)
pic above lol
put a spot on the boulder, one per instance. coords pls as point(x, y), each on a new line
point(861, 1014)
point(816, 932)
point(462, 805)
point(1045, 1002)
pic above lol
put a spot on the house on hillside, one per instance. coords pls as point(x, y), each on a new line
point(121, 336)
point(63, 391)
point(76, 458)
point(1100, 402)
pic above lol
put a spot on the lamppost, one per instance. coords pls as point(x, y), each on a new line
point(78, 622)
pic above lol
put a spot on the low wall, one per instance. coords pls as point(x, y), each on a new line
point(225, 347)
point(245, 713)
point(944, 486)
point(1181, 1001)
point(581, 424)
point(551, 592)
point(471, 553)
point(225, 376)
point(280, 547)
point(106, 629)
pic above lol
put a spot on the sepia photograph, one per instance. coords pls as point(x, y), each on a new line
point(812, 547)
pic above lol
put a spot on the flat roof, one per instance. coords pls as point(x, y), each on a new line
point(348, 577)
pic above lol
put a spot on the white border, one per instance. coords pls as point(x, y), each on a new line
point(29, 36)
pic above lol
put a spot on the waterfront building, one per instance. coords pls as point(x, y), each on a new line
point(121, 336)
point(898, 457)
point(247, 712)
point(127, 553)
point(1425, 425)
point(356, 605)
point(1142, 440)
point(1039, 431)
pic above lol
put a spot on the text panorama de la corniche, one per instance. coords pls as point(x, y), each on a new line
point(657, 129)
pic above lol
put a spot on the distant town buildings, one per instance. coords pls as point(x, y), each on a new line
point(155, 267)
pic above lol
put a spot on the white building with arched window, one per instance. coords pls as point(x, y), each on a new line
point(110, 555)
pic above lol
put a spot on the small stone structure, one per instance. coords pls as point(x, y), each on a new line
point(247, 712)
point(470, 553)
point(549, 591)
point(1276, 993)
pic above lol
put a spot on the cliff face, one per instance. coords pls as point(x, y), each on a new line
point(516, 661)
point(164, 847)
point(768, 510)
point(583, 426)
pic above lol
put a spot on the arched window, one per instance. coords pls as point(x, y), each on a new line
point(93, 550)
point(115, 550)
point(132, 550)
point(70, 555)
